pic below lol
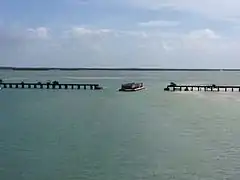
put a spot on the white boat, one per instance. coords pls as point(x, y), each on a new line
point(132, 87)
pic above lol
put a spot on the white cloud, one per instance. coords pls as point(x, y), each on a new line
point(83, 32)
point(40, 32)
point(167, 47)
point(205, 33)
point(160, 23)
point(210, 8)
point(197, 40)
point(138, 34)
point(79, 31)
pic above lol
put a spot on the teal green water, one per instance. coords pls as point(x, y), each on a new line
point(108, 135)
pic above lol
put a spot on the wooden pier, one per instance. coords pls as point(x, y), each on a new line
point(49, 85)
point(212, 88)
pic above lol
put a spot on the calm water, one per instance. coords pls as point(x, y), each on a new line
point(108, 135)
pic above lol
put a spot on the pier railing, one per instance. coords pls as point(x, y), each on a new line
point(49, 85)
point(213, 87)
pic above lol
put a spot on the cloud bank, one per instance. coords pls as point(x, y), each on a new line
point(126, 33)
point(88, 47)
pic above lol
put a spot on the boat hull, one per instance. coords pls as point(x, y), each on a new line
point(132, 90)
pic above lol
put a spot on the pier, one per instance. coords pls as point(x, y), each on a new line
point(213, 88)
point(49, 85)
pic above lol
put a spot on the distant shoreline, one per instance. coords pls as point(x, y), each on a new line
point(108, 69)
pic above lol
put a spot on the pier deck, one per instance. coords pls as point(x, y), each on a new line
point(49, 86)
point(213, 88)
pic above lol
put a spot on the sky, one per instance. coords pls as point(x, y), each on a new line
point(120, 33)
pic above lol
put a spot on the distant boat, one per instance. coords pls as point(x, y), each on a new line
point(132, 87)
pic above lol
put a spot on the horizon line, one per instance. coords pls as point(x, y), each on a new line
point(115, 69)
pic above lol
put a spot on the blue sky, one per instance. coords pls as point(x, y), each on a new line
point(120, 33)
